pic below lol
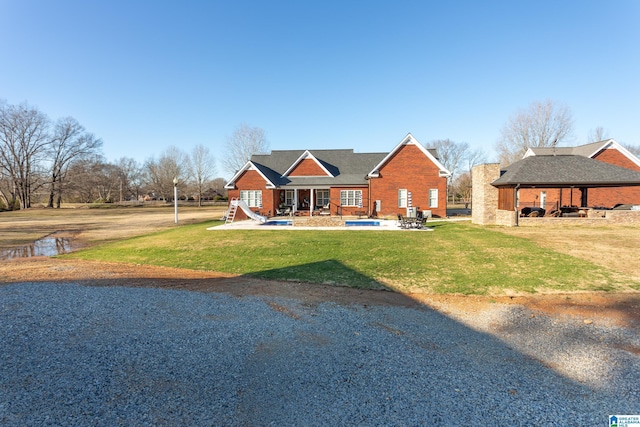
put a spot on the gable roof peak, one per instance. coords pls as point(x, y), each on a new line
point(589, 150)
point(250, 165)
point(409, 140)
point(307, 155)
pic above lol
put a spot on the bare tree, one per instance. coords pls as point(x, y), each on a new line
point(130, 173)
point(161, 173)
point(462, 188)
point(70, 141)
point(634, 149)
point(91, 179)
point(458, 158)
point(597, 134)
point(203, 167)
point(24, 139)
point(475, 157)
point(542, 124)
point(245, 142)
point(451, 154)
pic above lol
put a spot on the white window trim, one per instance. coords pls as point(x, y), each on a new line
point(403, 197)
point(355, 199)
point(433, 201)
point(322, 201)
point(253, 198)
point(289, 197)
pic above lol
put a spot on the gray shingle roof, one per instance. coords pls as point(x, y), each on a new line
point(566, 170)
point(580, 150)
point(347, 167)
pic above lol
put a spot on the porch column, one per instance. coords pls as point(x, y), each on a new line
point(295, 201)
point(311, 202)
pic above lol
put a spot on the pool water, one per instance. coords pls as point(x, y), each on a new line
point(362, 223)
point(279, 222)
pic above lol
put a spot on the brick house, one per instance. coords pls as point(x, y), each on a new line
point(595, 195)
point(342, 182)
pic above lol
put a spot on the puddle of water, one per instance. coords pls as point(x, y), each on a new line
point(46, 246)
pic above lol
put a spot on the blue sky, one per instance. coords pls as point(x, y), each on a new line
point(145, 75)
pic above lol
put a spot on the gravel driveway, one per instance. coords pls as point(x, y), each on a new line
point(108, 356)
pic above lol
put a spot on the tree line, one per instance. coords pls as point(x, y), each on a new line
point(47, 161)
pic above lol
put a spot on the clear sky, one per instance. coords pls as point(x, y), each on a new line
point(145, 75)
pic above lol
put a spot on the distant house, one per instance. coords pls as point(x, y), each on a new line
point(211, 194)
point(562, 181)
point(343, 182)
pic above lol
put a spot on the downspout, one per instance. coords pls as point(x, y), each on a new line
point(515, 204)
point(369, 213)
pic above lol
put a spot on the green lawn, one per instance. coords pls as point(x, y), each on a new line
point(454, 258)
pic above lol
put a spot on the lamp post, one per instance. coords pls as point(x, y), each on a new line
point(175, 197)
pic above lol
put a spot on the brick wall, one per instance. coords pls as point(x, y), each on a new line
point(615, 157)
point(611, 217)
point(609, 197)
point(556, 197)
point(307, 167)
point(252, 180)
point(334, 196)
point(506, 218)
point(408, 169)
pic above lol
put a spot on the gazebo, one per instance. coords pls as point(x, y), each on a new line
point(563, 180)
point(561, 172)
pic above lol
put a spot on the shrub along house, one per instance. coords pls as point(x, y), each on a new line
point(342, 182)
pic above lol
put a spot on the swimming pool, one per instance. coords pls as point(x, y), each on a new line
point(279, 222)
point(362, 223)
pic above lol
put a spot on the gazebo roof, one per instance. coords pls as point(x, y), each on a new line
point(565, 171)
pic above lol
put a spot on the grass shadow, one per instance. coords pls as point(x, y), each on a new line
point(326, 272)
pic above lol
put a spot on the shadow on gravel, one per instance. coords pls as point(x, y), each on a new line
point(144, 351)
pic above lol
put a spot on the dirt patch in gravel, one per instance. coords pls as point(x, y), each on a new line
point(619, 308)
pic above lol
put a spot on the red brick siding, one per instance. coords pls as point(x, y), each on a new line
point(252, 180)
point(531, 197)
point(334, 195)
point(608, 197)
point(307, 167)
point(408, 169)
point(615, 157)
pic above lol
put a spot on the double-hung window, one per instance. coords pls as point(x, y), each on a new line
point(351, 198)
point(288, 197)
point(322, 197)
point(433, 198)
point(402, 198)
point(253, 198)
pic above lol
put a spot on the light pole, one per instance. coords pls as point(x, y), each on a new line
point(175, 196)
